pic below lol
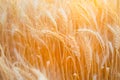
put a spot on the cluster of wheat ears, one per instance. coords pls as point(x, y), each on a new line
point(59, 40)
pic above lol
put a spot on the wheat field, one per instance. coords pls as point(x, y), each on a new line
point(59, 39)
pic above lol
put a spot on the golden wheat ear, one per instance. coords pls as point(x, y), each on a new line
point(59, 39)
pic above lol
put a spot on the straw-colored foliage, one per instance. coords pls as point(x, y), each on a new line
point(59, 40)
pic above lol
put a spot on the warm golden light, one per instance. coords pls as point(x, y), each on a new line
point(59, 40)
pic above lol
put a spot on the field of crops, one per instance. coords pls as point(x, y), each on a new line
point(59, 39)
